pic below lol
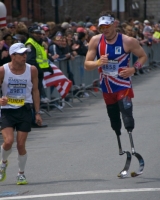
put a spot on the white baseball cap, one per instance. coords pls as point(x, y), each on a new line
point(105, 20)
point(18, 48)
point(146, 21)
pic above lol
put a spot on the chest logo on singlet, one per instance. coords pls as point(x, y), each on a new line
point(118, 50)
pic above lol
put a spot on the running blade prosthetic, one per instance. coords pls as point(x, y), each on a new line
point(138, 156)
point(141, 165)
point(124, 172)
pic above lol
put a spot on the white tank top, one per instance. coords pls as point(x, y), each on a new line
point(17, 88)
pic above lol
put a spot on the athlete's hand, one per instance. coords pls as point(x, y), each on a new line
point(127, 72)
point(3, 101)
point(103, 60)
point(38, 119)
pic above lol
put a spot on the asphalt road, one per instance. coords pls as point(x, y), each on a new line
point(76, 157)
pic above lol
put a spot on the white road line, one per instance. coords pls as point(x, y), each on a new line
point(83, 193)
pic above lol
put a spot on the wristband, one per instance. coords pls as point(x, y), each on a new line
point(137, 65)
point(37, 112)
point(98, 62)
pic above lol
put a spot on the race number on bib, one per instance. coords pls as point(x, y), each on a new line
point(111, 69)
point(16, 102)
point(16, 91)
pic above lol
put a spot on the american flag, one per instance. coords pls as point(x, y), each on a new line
point(58, 80)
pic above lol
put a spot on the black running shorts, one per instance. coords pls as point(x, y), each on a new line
point(20, 119)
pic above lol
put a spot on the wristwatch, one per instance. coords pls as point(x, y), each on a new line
point(38, 112)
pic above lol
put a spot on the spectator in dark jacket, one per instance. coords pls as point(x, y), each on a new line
point(4, 52)
point(79, 46)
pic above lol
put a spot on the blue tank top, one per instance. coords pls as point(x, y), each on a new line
point(110, 81)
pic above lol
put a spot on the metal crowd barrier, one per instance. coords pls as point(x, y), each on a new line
point(84, 79)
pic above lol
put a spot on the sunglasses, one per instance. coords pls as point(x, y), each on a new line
point(104, 27)
point(21, 54)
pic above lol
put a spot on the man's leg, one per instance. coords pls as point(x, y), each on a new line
point(114, 115)
point(22, 157)
point(6, 148)
point(126, 108)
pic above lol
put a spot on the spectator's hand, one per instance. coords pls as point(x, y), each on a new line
point(75, 46)
point(72, 57)
point(68, 55)
point(4, 54)
point(38, 119)
point(54, 57)
point(3, 101)
point(127, 72)
point(142, 43)
point(74, 53)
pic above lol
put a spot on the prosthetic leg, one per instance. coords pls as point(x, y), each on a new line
point(114, 115)
point(126, 108)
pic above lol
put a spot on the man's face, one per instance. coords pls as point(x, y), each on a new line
point(107, 30)
point(12, 29)
point(36, 36)
point(19, 58)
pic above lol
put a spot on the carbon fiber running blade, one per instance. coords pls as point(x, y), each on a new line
point(141, 165)
point(124, 172)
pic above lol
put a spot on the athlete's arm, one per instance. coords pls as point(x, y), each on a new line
point(90, 62)
point(137, 50)
point(35, 93)
point(132, 45)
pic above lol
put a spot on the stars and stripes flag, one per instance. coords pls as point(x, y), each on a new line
point(58, 80)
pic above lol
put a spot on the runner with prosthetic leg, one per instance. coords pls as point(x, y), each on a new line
point(113, 50)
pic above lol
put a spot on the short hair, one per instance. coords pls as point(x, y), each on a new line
point(107, 13)
point(7, 35)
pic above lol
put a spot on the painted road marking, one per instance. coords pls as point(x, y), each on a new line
point(83, 193)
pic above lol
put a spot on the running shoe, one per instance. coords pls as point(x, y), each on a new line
point(3, 168)
point(21, 179)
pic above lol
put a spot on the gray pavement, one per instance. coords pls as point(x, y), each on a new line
point(76, 157)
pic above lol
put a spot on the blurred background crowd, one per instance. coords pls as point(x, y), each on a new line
point(70, 38)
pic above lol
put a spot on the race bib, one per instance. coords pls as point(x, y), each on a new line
point(16, 91)
point(15, 101)
point(111, 69)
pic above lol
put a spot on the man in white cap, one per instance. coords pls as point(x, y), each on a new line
point(19, 84)
point(113, 53)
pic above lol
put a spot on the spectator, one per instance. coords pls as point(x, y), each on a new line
point(65, 26)
point(73, 26)
point(51, 26)
point(22, 29)
point(79, 47)
point(4, 52)
point(45, 29)
point(19, 38)
point(11, 28)
point(37, 57)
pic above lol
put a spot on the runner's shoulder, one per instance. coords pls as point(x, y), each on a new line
point(129, 40)
point(33, 69)
point(95, 39)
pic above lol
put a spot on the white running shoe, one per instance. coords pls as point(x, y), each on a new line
point(3, 168)
point(21, 179)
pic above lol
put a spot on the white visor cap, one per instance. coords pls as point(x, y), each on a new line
point(105, 20)
point(18, 48)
